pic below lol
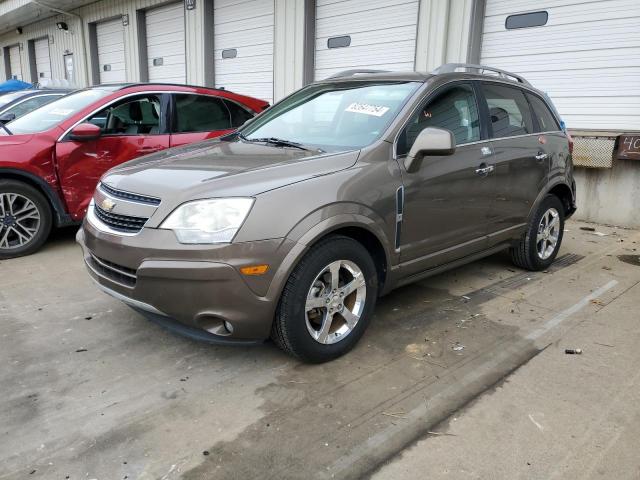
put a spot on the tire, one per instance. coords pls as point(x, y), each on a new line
point(300, 332)
point(25, 233)
point(530, 253)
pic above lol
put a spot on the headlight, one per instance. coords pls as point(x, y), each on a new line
point(208, 221)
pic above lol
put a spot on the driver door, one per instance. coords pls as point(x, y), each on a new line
point(446, 201)
point(130, 128)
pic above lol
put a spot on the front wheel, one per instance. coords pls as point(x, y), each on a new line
point(327, 302)
point(538, 247)
point(25, 219)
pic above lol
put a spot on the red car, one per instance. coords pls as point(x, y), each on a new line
point(52, 158)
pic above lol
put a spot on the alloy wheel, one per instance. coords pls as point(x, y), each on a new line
point(335, 302)
point(548, 233)
point(19, 220)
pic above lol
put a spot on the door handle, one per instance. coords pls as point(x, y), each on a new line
point(483, 170)
point(149, 149)
point(541, 156)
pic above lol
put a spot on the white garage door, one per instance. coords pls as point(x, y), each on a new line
point(166, 44)
point(243, 46)
point(43, 60)
point(377, 34)
point(586, 56)
point(15, 63)
point(110, 42)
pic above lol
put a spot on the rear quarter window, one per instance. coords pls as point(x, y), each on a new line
point(509, 113)
point(541, 111)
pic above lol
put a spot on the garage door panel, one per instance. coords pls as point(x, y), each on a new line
point(42, 58)
point(340, 8)
point(248, 51)
point(243, 66)
point(377, 37)
point(15, 62)
point(248, 28)
point(570, 16)
point(382, 33)
point(509, 7)
point(256, 36)
point(370, 20)
point(403, 52)
point(240, 11)
point(166, 40)
point(498, 45)
point(250, 76)
point(111, 51)
point(586, 57)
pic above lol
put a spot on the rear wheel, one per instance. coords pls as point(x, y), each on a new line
point(25, 219)
point(538, 247)
point(327, 302)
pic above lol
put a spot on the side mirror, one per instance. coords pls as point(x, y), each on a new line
point(431, 141)
point(84, 132)
point(7, 117)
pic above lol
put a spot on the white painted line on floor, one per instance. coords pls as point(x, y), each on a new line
point(376, 441)
point(562, 316)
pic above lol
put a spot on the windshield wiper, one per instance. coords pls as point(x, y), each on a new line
point(4, 127)
point(281, 142)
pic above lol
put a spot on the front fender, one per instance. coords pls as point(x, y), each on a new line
point(305, 237)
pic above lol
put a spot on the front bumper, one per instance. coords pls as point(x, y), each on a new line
point(191, 289)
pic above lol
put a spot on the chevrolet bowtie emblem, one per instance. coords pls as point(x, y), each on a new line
point(107, 205)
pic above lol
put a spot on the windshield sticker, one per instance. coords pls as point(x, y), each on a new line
point(61, 111)
point(365, 108)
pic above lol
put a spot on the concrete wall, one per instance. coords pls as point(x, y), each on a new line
point(610, 196)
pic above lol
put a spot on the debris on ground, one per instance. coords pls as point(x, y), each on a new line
point(603, 344)
point(457, 347)
point(600, 303)
point(442, 433)
point(588, 229)
point(573, 351)
point(80, 350)
point(395, 414)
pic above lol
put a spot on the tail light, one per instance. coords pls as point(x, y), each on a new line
point(570, 139)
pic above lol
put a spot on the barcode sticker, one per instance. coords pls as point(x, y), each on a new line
point(366, 109)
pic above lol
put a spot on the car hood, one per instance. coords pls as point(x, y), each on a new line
point(220, 168)
point(15, 139)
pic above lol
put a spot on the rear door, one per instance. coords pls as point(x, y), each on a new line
point(131, 127)
point(521, 165)
point(446, 202)
point(198, 117)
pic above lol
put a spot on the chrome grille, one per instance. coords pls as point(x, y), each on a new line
point(117, 273)
point(120, 223)
point(133, 197)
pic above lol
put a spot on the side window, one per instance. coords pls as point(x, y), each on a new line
point(199, 113)
point(238, 114)
point(508, 110)
point(455, 110)
point(132, 116)
point(546, 121)
point(31, 104)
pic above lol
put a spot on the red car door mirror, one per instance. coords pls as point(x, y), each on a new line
point(84, 132)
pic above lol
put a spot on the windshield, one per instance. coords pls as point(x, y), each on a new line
point(334, 116)
point(10, 97)
point(55, 112)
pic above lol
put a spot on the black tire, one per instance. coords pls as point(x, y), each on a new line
point(525, 253)
point(12, 249)
point(290, 330)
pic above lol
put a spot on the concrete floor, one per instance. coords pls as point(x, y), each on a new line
point(91, 390)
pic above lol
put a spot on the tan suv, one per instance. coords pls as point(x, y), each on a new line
point(292, 227)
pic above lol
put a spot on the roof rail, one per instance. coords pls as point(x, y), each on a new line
point(453, 67)
point(351, 73)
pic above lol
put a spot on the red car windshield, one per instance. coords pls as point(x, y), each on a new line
point(55, 112)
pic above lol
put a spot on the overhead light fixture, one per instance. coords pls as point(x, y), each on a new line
point(62, 26)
